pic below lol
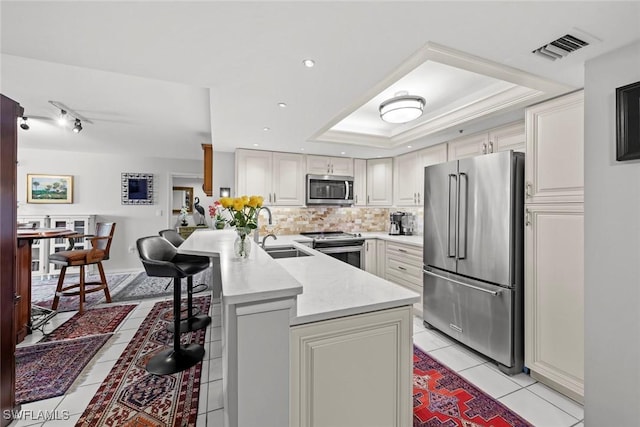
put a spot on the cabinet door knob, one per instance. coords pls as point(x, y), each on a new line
point(367, 199)
point(490, 146)
point(274, 197)
point(484, 148)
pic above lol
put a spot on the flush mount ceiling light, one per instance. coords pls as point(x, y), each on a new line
point(282, 105)
point(401, 108)
point(23, 123)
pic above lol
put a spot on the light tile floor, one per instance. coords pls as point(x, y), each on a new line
point(535, 402)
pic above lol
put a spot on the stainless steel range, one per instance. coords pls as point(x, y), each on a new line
point(346, 247)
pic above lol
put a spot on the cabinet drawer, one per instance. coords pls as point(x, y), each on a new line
point(410, 254)
point(408, 272)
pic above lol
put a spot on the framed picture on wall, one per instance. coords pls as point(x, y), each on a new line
point(628, 122)
point(137, 188)
point(49, 188)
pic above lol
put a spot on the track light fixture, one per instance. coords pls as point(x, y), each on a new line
point(23, 123)
point(67, 115)
point(62, 120)
point(77, 126)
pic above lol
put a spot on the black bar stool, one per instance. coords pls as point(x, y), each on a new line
point(194, 319)
point(161, 259)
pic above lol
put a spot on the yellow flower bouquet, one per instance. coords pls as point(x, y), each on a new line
point(243, 211)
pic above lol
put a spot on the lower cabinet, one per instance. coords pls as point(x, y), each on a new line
point(404, 267)
point(554, 296)
point(353, 371)
point(371, 249)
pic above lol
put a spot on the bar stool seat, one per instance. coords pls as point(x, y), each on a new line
point(194, 319)
point(161, 259)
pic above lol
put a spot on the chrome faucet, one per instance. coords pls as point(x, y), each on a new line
point(264, 239)
point(256, 233)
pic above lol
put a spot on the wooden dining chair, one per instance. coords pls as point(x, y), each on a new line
point(98, 252)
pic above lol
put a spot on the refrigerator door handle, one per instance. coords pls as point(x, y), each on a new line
point(461, 250)
point(457, 282)
point(449, 254)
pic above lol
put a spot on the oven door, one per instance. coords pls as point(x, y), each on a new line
point(352, 255)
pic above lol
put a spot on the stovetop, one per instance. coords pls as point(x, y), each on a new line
point(331, 235)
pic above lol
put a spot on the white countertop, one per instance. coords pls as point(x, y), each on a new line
point(325, 287)
point(254, 279)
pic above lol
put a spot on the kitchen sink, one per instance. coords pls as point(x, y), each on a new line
point(285, 252)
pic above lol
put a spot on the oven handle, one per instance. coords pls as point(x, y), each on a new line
point(341, 249)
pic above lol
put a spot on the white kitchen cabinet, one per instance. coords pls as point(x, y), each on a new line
point(359, 182)
point(508, 137)
point(404, 267)
point(371, 256)
point(326, 353)
point(323, 165)
point(554, 166)
point(278, 177)
point(408, 174)
point(380, 182)
point(39, 247)
point(554, 296)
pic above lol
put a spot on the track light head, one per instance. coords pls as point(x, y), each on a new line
point(23, 123)
point(62, 120)
point(77, 126)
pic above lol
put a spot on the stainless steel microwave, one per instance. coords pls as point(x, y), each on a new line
point(329, 190)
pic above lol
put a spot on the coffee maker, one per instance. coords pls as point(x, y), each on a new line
point(395, 223)
point(401, 223)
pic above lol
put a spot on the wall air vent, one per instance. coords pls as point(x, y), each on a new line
point(561, 47)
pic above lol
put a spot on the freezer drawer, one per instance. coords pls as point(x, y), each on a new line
point(477, 314)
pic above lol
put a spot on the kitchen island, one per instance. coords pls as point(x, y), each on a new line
point(309, 340)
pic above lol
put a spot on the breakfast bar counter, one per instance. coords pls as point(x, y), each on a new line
point(294, 329)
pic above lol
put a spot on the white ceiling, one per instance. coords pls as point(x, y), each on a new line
point(160, 78)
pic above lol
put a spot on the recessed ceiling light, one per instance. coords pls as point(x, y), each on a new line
point(302, 149)
point(409, 146)
point(255, 145)
point(343, 153)
point(309, 63)
point(266, 128)
point(282, 105)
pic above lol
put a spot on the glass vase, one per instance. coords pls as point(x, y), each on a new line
point(242, 244)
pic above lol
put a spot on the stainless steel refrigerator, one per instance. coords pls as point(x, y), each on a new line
point(473, 254)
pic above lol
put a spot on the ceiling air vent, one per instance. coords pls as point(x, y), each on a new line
point(561, 47)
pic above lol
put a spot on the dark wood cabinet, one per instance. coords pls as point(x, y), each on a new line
point(207, 185)
point(9, 113)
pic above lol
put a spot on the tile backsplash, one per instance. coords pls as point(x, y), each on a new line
point(295, 220)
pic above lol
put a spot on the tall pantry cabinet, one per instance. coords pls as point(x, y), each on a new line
point(554, 244)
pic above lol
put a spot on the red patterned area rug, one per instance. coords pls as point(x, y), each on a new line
point(94, 321)
point(48, 369)
point(443, 398)
point(131, 396)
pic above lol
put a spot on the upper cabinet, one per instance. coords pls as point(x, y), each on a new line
point(509, 137)
point(359, 182)
point(207, 184)
point(408, 174)
point(554, 166)
point(278, 177)
point(380, 182)
point(322, 165)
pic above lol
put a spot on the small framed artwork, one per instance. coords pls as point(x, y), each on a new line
point(137, 188)
point(628, 122)
point(49, 188)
